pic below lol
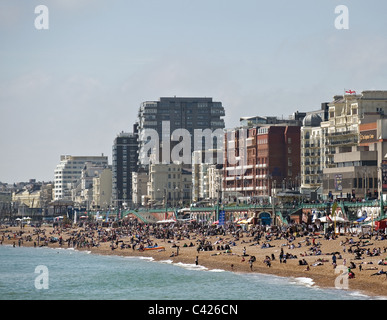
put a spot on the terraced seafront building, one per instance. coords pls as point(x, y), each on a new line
point(335, 160)
point(267, 158)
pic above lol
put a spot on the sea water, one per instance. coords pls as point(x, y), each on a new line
point(71, 274)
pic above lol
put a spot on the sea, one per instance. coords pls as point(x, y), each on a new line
point(43, 273)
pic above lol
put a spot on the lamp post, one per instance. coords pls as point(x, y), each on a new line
point(380, 181)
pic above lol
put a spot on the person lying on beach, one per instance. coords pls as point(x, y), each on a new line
point(380, 272)
point(266, 245)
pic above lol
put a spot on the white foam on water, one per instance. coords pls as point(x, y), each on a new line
point(216, 270)
point(191, 266)
point(166, 261)
point(362, 295)
point(145, 258)
point(308, 282)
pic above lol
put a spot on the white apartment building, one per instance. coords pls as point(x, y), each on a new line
point(102, 189)
point(341, 131)
point(139, 187)
point(312, 157)
point(169, 184)
point(321, 141)
point(215, 182)
point(83, 193)
point(68, 172)
point(206, 177)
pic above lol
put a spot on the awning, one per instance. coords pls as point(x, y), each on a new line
point(166, 221)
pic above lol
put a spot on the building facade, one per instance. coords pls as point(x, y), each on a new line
point(68, 172)
point(265, 157)
point(170, 114)
point(169, 184)
point(102, 189)
point(341, 134)
point(312, 157)
point(83, 189)
point(139, 187)
point(124, 163)
point(206, 174)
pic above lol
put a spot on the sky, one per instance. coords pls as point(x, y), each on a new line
point(71, 88)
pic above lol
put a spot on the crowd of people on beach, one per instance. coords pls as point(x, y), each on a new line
point(131, 234)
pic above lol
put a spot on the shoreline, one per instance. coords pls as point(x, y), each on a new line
point(300, 280)
point(322, 275)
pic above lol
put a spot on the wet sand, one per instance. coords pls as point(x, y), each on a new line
point(323, 275)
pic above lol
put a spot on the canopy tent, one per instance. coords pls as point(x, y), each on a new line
point(332, 219)
point(338, 219)
point(166, 221)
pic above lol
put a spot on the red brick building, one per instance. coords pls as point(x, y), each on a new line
point(262, 158)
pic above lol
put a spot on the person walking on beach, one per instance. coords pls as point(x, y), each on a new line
point(251, 260)
point(197, 260)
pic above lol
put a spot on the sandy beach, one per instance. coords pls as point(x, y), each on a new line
point(184, 246)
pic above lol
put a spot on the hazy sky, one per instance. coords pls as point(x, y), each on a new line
point(72, 88)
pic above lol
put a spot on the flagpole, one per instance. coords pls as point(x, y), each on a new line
point(334, 215)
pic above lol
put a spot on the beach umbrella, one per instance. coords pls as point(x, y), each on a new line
point(360, 219)
point(166, 221)
point(325, 219)
point(338, 219)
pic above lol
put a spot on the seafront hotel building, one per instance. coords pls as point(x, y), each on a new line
point(69, 170)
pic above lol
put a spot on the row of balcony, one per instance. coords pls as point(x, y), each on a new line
point(313, 172)
point(312, 145)
point(246, 167)
point(249, 177)
point(246, 188)
point(312, 181)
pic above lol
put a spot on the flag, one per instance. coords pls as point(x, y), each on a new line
point(350, 91)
